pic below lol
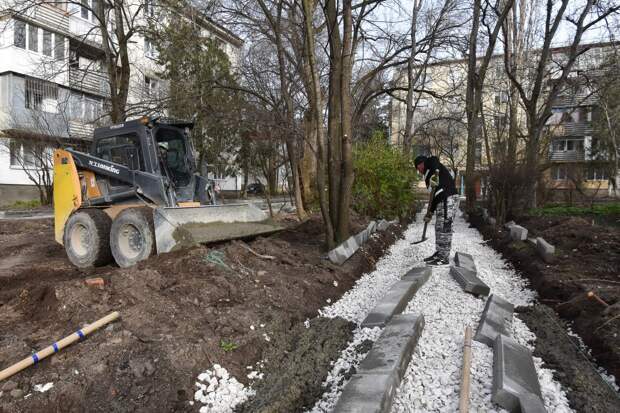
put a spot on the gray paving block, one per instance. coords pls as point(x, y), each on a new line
point(391, 353)
point(419, 274)
point(496, 319)
point(509, 224)
point(545, 250)
point(394, 302)
point(518, 233)
point(492, 221)
point(344, 251)
point(530, 403)
point(382, 225)
point(367, 393)
point(514, 374)
point(466, 261)
point(468, 281)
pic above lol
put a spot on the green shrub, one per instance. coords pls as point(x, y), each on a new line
point(384, 179)
point(35, 203)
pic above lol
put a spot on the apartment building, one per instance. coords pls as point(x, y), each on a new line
point(574, 165)
point(54, 87)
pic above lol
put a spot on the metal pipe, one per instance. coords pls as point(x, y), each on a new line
point(56, 347)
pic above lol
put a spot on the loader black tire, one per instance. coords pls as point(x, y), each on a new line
point(132, 236)
point(87, 238)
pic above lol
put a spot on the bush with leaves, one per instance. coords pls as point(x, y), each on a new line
point(384, 179)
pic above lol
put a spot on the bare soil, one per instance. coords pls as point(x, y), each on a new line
point(587, 260)
point(176, 309)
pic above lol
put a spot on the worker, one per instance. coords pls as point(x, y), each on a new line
point(445, 203)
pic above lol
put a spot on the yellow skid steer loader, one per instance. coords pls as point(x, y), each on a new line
point(137, 193)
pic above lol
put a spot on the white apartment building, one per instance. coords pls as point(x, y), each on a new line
point(54, 86)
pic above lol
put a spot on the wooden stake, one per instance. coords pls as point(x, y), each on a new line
point(56, 347)
point(464, 398)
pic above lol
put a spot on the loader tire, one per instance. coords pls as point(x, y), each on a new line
point(87, 238)
point(132, 236)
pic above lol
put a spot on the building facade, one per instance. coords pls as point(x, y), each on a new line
point(574, 167)
point(54, 87)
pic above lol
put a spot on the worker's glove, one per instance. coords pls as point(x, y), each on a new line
point(434, 181)
point(428, 217)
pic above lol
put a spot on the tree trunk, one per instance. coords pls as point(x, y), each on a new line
point(315, 104)
point(334, 120)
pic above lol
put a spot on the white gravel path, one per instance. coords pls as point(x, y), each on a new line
point(431, 383)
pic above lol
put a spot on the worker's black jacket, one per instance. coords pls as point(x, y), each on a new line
point(446, 186)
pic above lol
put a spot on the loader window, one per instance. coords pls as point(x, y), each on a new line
point(173, 154)
point(124, 150)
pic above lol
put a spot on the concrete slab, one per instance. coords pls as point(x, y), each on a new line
point(394, 302)
point(492, 221)
point(391, 353)
point(366, 393)
point(468, 281)
point(509, 224)
point(466, 261)
point(496, 319)
point(514, 374)
point(530, 403)
point(518, 233)
point(545, 250)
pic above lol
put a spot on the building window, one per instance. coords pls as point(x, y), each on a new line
point(558, 173)
point(567, 145)
point(84, 9)
point(94, 11)
point(19, 34)
point(23, 155)
point(83, 108)
point(596, 174)
point(149, 8)
point(151, 86)
point(149, 49)
point(41, 96)
point(59, 49)
point(47, 43)
point(33, 38)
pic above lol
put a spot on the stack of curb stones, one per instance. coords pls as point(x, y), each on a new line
point(373, 387)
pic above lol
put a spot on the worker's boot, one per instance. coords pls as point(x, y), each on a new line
point(432, 257)
point(439, 260)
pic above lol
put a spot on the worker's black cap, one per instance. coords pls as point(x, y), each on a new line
point(419, 159)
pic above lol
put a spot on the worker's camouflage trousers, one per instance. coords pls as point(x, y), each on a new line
point(444, 217)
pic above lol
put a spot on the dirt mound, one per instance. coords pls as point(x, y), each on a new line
point(176, 311)
point(298, 363)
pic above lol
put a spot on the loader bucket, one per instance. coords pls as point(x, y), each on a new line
point(180, 227)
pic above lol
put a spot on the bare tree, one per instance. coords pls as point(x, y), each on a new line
point(537, 92)
point(491, 16)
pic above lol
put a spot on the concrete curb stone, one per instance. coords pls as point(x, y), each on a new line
point(495, 320)
point(468, 281)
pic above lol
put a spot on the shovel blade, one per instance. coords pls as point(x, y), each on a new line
point(419, 242)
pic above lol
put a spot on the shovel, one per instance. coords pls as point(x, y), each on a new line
point(424, 238)
point(430, 200)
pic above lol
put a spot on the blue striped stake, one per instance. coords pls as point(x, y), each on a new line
point(57, 346)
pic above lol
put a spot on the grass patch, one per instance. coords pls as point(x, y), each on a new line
point(35, 203)
point(597, 209)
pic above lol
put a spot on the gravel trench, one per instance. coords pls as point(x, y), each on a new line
point(431, 383)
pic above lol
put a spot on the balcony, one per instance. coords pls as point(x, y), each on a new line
point(567, 156)
point(89, 81)
point(50, 17)
point(81, 130)
point(571, 129)
point(575, 100)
